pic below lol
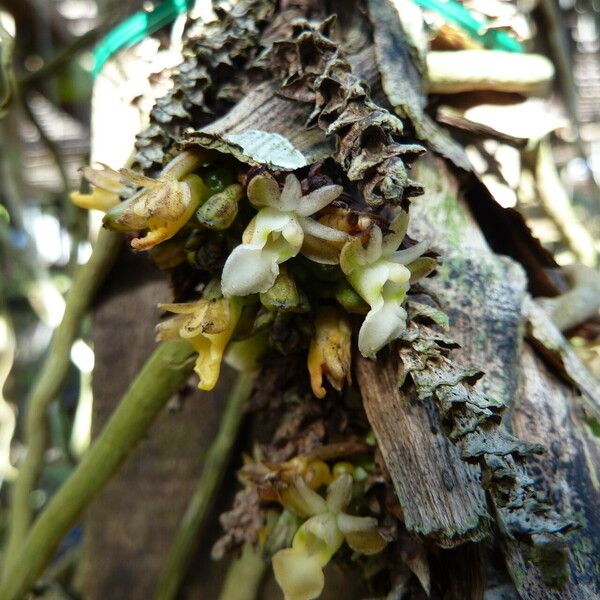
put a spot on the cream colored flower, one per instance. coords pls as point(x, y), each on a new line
point(208, 325)
point(277, 233)
point(163, 205)
point(382, 275)
point(299, 569)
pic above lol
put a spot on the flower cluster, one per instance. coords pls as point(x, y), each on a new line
point(294, 247)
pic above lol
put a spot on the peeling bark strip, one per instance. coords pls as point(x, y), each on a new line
point(474, 423)
point(440, 496)
point(368, 137)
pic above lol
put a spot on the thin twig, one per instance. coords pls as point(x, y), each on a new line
point(86, 283)
point(217, 459)
point(164, 372)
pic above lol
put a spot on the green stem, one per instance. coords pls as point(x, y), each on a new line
point(216, 461)
point(161, 376)
point(86, 283)
point(244, 576)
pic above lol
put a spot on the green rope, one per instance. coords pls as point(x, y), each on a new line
point(475, 27)
point(134, 29)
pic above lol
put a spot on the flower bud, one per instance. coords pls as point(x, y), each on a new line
point(221, 209)
point(168, 255)
point(349, 299)
point(284, 295)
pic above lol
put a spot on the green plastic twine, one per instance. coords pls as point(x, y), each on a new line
point(457, 13)
point(134, 29)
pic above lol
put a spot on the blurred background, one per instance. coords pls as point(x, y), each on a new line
point(54, 101)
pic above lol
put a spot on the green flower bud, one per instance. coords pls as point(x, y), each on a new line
point(284, 295)
point(210, 256)
point(285, 334)
point(221, 209)
point(212, 290)
point(349, 299)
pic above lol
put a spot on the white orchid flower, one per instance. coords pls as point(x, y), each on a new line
point(382, 275)
point(279, 231)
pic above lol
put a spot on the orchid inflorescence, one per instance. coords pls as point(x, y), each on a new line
point(288, 250)
point(288, 269)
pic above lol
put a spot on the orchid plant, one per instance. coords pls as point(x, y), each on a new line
point(300, 252)
point(287, 223)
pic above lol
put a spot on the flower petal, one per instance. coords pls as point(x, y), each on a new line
point(168, 331)
point(98, 199)
point(249, 270)
point(353, 256)
point(369, 281)
point(291, 194)
point(398, 229)
point(298, 575)
point(383, 323)
point(404, 257)
point(184, 163)
point(361, 533)
point(105, 178)
point(339, 493)
point(320, 251)
point(374, 249)
point(320, 536)
point(318, 199)
point(135, 179)
point(316, 229)
point(300, 499)
point(269, 220)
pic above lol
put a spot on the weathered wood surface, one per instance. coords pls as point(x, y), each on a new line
point(131, 525)
point(549, 411)
point(484, 294)
point(440, 495)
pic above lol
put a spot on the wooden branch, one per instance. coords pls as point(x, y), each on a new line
point(440, 496)
point(569, 469)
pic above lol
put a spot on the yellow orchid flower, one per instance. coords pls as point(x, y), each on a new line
point(299, 569)
point(163, 205)
point(208, 325)
point(107, 185)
